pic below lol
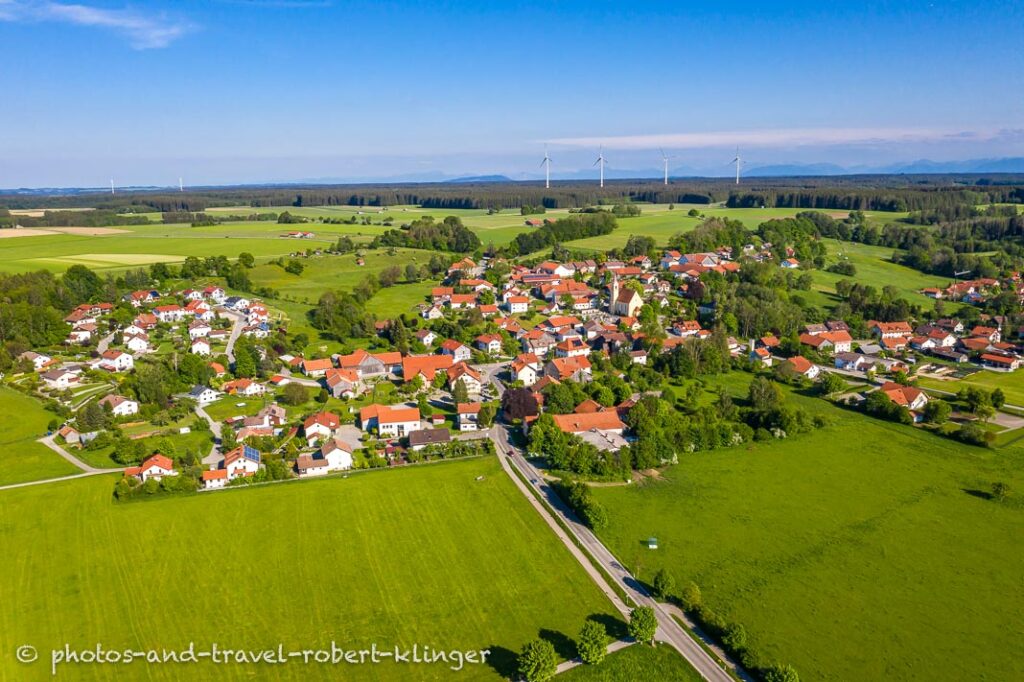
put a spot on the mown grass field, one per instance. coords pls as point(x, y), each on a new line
point(22, 422)
point(865, 550)
point(427, 555)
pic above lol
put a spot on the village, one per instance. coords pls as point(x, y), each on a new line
point(539, 326)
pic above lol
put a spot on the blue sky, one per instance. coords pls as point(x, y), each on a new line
point(239, 91)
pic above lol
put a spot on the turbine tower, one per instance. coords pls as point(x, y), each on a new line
point(664, 160)
point(181, 184)
point(600, 163)
point(547, 168)
point(111, 185)
point(737, 161)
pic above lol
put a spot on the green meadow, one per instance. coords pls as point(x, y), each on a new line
point(22, 422)
point(448, 555)
point(864, 550)
point(636, 663)
point(1011, 383)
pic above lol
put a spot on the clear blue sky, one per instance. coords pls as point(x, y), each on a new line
point(246, 91)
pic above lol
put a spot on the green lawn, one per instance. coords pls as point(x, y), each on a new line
point(448, 555)
point(638, 662)
point(22, 422)
point(865, 550)
point(1012, 384)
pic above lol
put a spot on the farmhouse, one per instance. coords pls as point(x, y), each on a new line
point(343, 383)
point(316, 368)
point(802, 366)
point(914, 399)
point(426, 366)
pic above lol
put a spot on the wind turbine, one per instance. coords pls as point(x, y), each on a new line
point(181, 184)
point(601, 162)
point(664, 160)
point(738, 161)
point(111, 185)
point(547, 168)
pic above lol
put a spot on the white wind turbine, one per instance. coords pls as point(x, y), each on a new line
point(547, 168)
point(601, 163)
point(181, 184)
point(738, 161)
point(111, 185)
point(664, 160)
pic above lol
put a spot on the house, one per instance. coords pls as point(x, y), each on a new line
point(332, 456)
point(343, 383)
point(468, 416)
point(790, 264)
point(156, 466)
point(214, 479)
point(761, 356)
point(488, 343)
point(320, 427)
point(242, 461)
point(200, 346)
point(517, 304)
point(525, 368)
point(571, 348)
point(422, 438)
point(890, 330)
point(366, 364)
point(70, 435)
point(854, 362)
point(537, 342)
point(998, 361)
point(316, 368)
point(215, 294)
point(199, 329)
point(469, 377)
point(204, 395)
point(169, 313)
point(244, 387)
point(137, 343)
point(802, 366)
point(60, 379)
point(390, 422)
point(425, 336)
point(433, 312)
point(119, 405)
point(826, 341)
point(914, 399)
point(602, 429)
point(115, 361)
point(218, 369)
point(575, 368)
point(38, 360)
point(459, 351)
point(990, 333)
point(81, 334)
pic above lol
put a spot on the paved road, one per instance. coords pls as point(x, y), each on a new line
point(215, 426)
point(668, 629)
point(84, 474)
point(49, 442)
point(104, 343)
point(236, 331)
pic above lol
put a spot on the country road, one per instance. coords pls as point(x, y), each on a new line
point(669, 630)
point(236, 330)
point(213, 457)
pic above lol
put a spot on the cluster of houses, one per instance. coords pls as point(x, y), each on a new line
point(976, 291)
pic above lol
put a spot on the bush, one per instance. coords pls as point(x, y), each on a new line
point(664, 584)
point(690, 597)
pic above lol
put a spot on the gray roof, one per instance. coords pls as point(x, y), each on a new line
point(429, 437)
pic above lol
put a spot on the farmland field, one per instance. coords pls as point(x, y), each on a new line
point(22, 421)
point(865, 549)
point(448, 555)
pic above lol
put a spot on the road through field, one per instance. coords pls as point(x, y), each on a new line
point(668, 629)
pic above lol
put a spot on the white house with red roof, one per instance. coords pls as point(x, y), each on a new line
point(119, 405)
point(156, 466)
point(320, 427)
